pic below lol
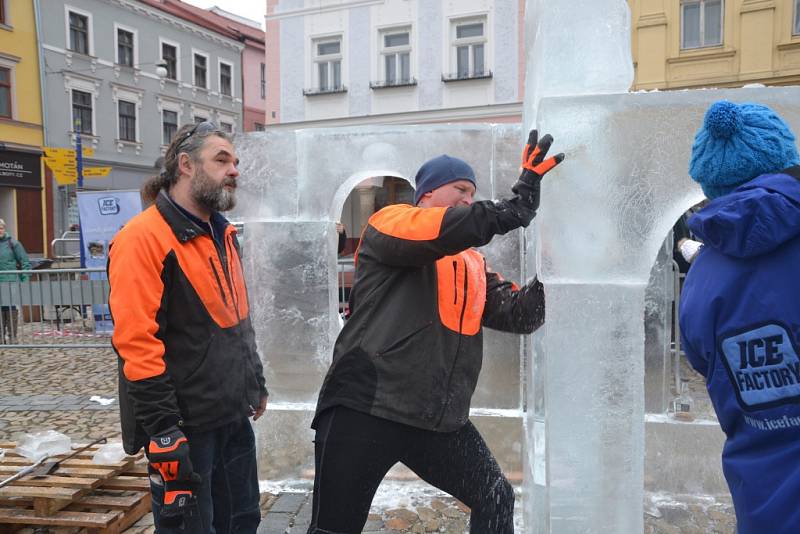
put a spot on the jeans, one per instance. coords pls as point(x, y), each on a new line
point(354, 450)
point(227, 498)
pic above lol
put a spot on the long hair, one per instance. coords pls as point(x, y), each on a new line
point(186, 140)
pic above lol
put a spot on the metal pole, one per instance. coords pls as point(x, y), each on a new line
point(79, 160)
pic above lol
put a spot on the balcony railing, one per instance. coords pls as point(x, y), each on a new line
point(463, 76)
point(386, 84)
point(316, 91)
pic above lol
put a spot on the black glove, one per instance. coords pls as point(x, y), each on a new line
point(534, 167)
point(168, 453)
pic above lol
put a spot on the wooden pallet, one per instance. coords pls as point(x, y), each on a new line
point(80, 496)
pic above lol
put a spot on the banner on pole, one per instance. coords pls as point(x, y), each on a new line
point(102, 214)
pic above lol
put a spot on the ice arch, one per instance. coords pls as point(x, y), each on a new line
point(605, 213)
point(292, 189)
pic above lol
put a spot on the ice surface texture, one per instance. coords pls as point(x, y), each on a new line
point(605, 213)
point(292, 189)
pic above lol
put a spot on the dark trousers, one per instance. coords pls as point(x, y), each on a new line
point(227, 499)
point(8, 316)
point(353, 452)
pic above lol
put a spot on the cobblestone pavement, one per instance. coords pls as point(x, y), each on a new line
point(52, 389)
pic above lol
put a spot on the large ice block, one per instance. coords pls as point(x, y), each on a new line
point(605, 213)
point(292, 189)
point(575, 47)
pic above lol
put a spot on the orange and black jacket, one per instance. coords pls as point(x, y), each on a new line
point(412, 348)
point(182, 330)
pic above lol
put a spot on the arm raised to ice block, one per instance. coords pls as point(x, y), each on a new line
point(404, 235)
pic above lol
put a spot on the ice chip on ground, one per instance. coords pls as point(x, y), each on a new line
point(41, 444)
point(110, 453)
point(100, 400)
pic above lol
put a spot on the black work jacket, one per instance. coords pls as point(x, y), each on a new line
point(412, 348)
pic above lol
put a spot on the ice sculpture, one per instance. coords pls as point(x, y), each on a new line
point(292, 189)
point(604, 215)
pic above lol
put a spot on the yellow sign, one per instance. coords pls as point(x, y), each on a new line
point(96, 172)
point(65, 177)
point(55, 152)
point(59, 162)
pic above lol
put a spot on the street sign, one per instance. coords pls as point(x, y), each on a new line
point(96, 172)
point(88, 152)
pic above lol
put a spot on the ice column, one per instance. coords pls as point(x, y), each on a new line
point(605, 212)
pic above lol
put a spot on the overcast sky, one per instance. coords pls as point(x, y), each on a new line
point(252, 9)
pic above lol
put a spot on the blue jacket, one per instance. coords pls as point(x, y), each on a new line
point(740, 328)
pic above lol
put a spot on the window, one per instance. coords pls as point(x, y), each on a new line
point(3, 12)
point(198, 119)
point(124, 47)
point(264, 80)
point(200, 70)
point(169, 126)
point(169, 55)
point(225, 78)
point(469, 45)
point(701, 23)
point(396, 55)
point(82, 111)
point(5, 92)
point(78, 33)
point(328, 60)
point(127, 121)
point(226, 127)
point(259, 127)
point(796, 17)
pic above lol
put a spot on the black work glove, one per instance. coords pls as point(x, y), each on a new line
point(534, 167)
point(168, 453)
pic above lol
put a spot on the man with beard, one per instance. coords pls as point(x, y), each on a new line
point(189, 372)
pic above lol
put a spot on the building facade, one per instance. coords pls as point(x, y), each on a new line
point(124, 75)
point(679, 44)
point(246, 31)
point(334, 62)
point(22, 198)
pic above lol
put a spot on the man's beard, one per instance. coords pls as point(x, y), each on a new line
point(210, 195)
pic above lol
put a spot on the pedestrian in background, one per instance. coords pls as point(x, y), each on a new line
point(406, 363)
point(189, 372)
point(12, 258)
point(740, 308)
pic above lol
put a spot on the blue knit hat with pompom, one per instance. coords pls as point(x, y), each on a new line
point(737, 143)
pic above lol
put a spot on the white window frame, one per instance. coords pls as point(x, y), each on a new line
point(161, 42)
point(11, 65)
point(227, 119)
point(166, 142)
point(327, 58)
point(7, 24)
point(455, 43)
point(701, 22)
point(221, 62)
point(796, 25)
point(135, 122)
point(87, 86)
point(165, 104)
point(396, 51)
point(197, 52)
point(89, 28)
point(121, 93)
point(197, 111)
point(135, 33)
